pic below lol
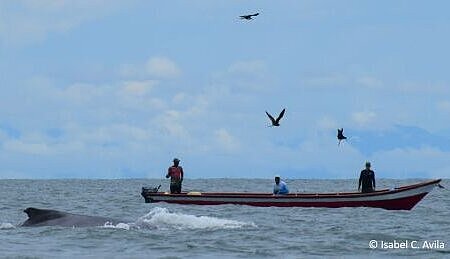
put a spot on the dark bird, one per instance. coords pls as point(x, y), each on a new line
point(277, 121)
point(340, 135)
point(248, 16)
point(440, 186)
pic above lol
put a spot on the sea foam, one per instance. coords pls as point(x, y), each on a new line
point(163, 218)
point(6, 226)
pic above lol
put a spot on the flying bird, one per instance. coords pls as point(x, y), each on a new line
point(248, 16)
point(340, 135)
point(276, 122)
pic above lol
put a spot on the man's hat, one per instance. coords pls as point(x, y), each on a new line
point(176, 160)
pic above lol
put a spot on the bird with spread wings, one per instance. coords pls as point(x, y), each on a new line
point(276, 122)
point(248, 16)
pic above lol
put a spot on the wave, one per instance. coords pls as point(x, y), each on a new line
point(124, 226)
point(6, 226)
point(162, 218)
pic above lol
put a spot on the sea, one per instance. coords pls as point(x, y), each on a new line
point(160, 230)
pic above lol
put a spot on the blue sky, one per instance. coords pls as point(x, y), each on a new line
point(116, 89)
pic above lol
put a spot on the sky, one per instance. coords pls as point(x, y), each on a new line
point(117, 89)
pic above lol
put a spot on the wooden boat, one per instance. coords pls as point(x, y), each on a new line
point(401, 198)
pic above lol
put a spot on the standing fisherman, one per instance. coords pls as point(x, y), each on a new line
point(175, 173)
point(367, 179)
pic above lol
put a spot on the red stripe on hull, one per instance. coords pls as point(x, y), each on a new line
point(406, 203)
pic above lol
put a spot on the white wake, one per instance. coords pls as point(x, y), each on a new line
point(162, 218)
point(6, 226)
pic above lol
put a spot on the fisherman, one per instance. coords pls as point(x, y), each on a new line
point(367, 179)
point(280, 187)
point(175, 173)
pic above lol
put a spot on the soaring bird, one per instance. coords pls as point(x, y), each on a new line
point(277, 121)
point(340, 135)
point(248, 16)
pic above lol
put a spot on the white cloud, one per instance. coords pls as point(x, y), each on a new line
point(253, 67)
point(155, 67)
point(370, 82)
point(226, 140)
point(27, 21)
point(162, 67)
point(413, 87)
point(327, 123)
point(332, 80)
point(115, 133)
point(138, 88)
point(171, 123)
point(80, 93)
point(33, 148)
point(444, 106)
point(414, 162)
point(242, 76)
point(363, 118)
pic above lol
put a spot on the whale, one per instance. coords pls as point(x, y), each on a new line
point(45, 217)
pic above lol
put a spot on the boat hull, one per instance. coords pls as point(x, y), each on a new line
point(402, 198)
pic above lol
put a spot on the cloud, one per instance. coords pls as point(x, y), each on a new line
point(410, 163)
point(81, 93)
point(26, 147)
point(363, 118)
point(243, 76)
point(249, 67)
point(153, 68)
point(327, 123)
point(138, 88)
point(370, 82)
point(404, 137)
point(162, 67)
point(171, 123)
point(444, 106)
point(332, 80)
point(23, 22)
point(415, 87)
point(343, 80)
point(226, 140)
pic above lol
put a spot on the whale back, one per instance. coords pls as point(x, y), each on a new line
point(44, 217)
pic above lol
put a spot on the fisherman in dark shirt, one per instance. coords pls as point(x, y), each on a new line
point(367, 179)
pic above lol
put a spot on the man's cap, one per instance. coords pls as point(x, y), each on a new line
point(176, 160)
point(277, 176)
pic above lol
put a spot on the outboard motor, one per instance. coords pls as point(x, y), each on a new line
point(150, 190)
point(147, 190)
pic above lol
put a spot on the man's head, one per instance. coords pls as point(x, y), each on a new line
point(368, 165)
point(277, 179)
point(176, 161)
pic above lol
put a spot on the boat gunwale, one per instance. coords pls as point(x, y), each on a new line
point(294, 195)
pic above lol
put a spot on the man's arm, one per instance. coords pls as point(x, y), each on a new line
point(284, 189)
point(182, 173)
point(360, 180)
point(168, 173)
point(373, 180)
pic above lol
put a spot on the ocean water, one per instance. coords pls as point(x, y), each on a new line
point(162, 230)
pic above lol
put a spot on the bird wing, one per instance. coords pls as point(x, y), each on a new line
point(281, 115)
point(271, 118)
point(245, 16)
point(256, 14)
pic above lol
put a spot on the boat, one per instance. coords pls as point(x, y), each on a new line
point(400, 198)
